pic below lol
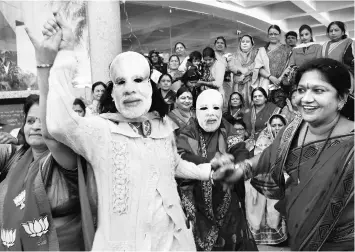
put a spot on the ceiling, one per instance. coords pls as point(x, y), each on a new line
point(159, 25)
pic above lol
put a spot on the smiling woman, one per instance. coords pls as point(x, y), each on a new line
point(317, 152)
point(41, 195)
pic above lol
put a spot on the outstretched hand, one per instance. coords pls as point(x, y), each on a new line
point(57, 36)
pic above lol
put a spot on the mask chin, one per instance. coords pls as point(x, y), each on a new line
point(209, 127)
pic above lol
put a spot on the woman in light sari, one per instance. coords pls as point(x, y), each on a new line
point(270, 63)
point(265, 222)
point(340, 47)
point(317, 152)
point(242, 65)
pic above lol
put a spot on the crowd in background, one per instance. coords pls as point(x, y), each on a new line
point(258, 86)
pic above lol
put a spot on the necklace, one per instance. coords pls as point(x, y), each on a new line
point(318, 154)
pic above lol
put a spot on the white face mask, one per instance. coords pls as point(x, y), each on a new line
point(132, 91)
point(209, 110)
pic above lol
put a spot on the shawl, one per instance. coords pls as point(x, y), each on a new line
point(205, 211)
point(336, 50)
point(25, 230)
point(246, 58)
point(26, 218)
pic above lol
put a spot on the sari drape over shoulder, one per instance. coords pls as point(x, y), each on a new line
point(217, 216)
point(40, 206)
point(266, 223)
point(319, 208)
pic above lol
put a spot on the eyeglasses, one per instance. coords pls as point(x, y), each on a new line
point(239, 129)
point(274, 34)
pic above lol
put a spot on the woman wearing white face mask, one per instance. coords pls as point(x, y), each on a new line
point(132, 149)
point(242, 65)
point(216, 215)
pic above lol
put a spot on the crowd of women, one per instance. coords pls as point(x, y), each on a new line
point(209, 151)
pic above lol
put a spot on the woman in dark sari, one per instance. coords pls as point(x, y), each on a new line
point(169, 96)
point(236, 107)
point(317, 152)
point(258, 115)
point(217, 216)
point(44, 202)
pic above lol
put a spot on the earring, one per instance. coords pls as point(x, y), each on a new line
point(340, 106)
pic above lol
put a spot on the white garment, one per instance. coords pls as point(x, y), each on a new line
point(139, 206)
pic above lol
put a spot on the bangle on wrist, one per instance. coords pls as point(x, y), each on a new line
point(211, 177)
point(269, 77)
point(44, 65)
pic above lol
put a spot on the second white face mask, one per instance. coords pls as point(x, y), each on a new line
point(209, 110)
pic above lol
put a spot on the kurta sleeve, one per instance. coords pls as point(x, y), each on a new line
point(188, 170)
point(82, 134)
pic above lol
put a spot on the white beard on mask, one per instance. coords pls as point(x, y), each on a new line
point(209, 110)
point(132, 91)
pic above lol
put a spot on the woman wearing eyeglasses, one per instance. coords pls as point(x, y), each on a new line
point(270, 63)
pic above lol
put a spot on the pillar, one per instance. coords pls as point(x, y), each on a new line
point(104, 27)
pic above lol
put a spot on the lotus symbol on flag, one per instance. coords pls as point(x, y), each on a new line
point(8, 237)
point(36, 227)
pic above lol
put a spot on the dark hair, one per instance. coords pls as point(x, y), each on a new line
point(234, 121)
point(160, 59)
point(224, 40)
point(306, 27)
point(258, 89)
point(195, 55)
point(282, 118)
point(208, 52)
point(98, 83)
point(336, 74)
point(240, 97)
point(174, 55)
point(180, 44)
point(276, 27)
point(29, 102)
point(341, 25)
point(247, 35)
point(166, 74)
point(107, 104)
point(291, 33)
point(79, 102)
point(182, 90)
point(192, 74)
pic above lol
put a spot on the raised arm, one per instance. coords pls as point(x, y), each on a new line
point(82, 135)
point(61, 153)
